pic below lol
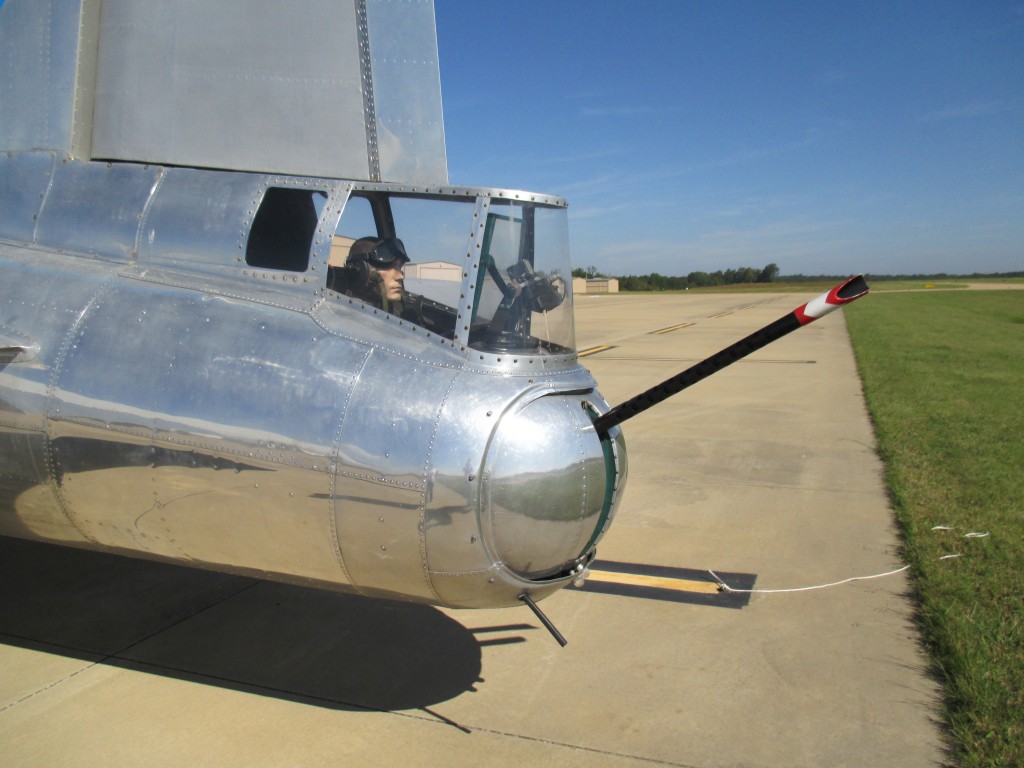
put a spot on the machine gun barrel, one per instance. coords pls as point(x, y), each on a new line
point(842, 294)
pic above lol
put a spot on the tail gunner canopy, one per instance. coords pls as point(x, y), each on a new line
point(486, 270)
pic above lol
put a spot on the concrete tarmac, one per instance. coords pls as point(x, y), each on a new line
point(765, 474)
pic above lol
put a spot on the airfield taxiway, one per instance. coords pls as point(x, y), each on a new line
point(765, 474)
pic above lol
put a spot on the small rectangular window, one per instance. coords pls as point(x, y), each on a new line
point(282, 232)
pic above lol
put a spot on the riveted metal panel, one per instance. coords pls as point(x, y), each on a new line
point(546, 481)
point(24, 179)
point(27, 506)
point(95, 208)
point(262, 86)
point(38, 66)
point(337, 88)
point(383, 470)
point(409, 126)
point(497, 588)
point(267, 86)
point(180, 364)
point(453, 535)
point(198, 220)
point(209, 429)
point(44, 295)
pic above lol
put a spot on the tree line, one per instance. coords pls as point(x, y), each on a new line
point(767, 274)
point(657, 282)
point(915, 277)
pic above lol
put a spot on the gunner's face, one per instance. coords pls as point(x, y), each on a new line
point(393, 278)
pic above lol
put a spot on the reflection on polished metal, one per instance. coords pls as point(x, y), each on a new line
point(186, 372)
point(163, 396)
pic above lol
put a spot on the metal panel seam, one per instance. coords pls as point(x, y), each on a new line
point(335, 457)
point(46, 56)
point(428, 488)
point(390, 350)
point(369, 108)
point(142, 274)
point(46, 196)
point(49, 408)
point(161, 175)
point(574, 414)
point(84, 100)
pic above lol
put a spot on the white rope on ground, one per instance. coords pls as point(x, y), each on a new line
point(726, 588)
point(971, 535)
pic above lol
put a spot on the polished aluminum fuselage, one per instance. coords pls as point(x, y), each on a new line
point(161, 397)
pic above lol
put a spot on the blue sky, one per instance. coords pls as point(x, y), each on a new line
point(826, 137)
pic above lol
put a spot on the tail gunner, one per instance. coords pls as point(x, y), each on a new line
point(375, 273)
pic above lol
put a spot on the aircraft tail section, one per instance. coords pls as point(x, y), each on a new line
point(338, 88)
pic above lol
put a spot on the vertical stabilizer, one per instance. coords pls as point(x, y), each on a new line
point(47, 74)
point(341, 88)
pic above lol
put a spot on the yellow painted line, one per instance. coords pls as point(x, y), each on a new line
point(594, 350)
point(721, 314)
point(656, 582)
point(673, 328)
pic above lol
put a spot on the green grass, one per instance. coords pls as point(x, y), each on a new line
point(820, 286)
point(943, 375)
point(915, 285)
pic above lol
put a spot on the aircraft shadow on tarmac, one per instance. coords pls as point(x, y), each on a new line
point(312, 646)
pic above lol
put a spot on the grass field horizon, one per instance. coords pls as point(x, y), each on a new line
point(943, 376)
point(820, 286)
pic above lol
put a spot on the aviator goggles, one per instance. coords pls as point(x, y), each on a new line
point(386, 252)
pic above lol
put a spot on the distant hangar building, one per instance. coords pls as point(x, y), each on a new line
point(594, 285)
